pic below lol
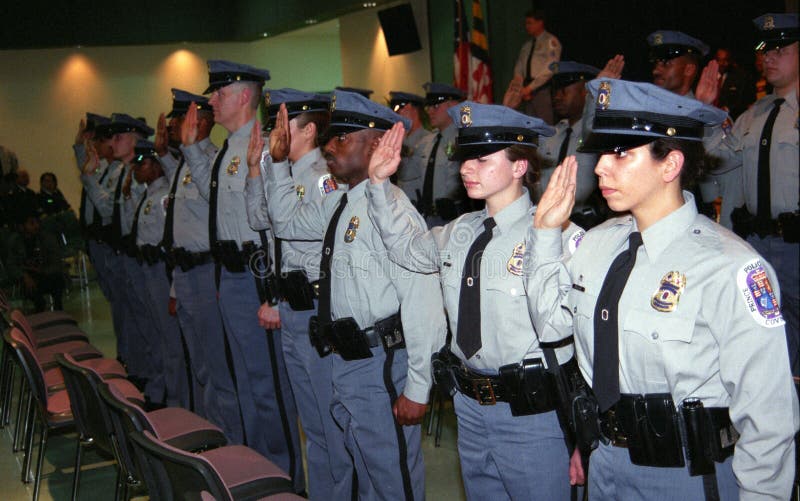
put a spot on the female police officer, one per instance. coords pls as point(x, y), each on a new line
point(509, 440)
point(676, 320)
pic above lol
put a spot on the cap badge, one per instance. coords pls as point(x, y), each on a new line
point(233, 167)
point(301, 191)
point(520, 137)
point(148, 207)
point(333, 102)
point(466, 115)
point(769, 23)
point(604, 95)
point(514, 264)
point(352, 228)
point(666, 298)
point(267, 99)
point(671, 131)
point(658, 39)
point(371, 125)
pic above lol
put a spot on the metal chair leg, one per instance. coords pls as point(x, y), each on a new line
point(20, 427)
point(39, 464)
point(26, 463)
point(76, 477)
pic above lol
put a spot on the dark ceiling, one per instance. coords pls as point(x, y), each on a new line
point(38, 24)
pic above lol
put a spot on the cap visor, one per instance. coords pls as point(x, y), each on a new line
point(604, 143)
point(470, 151)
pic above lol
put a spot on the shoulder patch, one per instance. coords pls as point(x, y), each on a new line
point(575, 241)
point(327, 184)
point(758, 294)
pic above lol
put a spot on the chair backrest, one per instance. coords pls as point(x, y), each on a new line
point(191, 476)
point(19, 321)
point(89, 413)
point(127, 418)
point(26, 356)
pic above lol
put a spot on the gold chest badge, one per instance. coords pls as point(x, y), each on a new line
point(666, 298)
point(301, 191)
point(148, 207)
point(187, 178)
point(233, 167)
point(352, 228)
point(514, 264)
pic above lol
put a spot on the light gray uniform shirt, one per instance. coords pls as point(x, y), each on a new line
point(699, 318)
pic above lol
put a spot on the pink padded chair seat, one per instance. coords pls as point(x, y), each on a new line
point(238, 465)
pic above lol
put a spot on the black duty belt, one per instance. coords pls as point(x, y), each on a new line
point(344, 337)
point(654, 431)
point(227, 253)
point(178, 256)
point(150, 254)
point(526, 386)
point(295, 289)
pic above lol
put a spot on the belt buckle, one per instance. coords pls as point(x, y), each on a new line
point(315, 289)
point(484, 391)
point(612, 432)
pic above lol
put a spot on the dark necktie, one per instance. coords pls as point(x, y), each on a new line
point(605, 381)
point(116, 216)
point(169, 220)
point(528, 77)
point(427, 185)
point(135, 227)
point(212, 198)
point(764, 210)
point(562, 152)
point(324, 311)
point(468, 335)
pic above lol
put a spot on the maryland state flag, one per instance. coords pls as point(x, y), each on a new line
point(473, 72)
point(461, 51)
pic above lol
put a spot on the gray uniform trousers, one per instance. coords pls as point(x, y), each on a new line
point(265, 396)
point(330, 470)
point(201, 325)
point(168, 332)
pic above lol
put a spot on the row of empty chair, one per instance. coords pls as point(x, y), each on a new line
point(63, 383)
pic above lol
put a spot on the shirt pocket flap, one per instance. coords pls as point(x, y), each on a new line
point(659, 326)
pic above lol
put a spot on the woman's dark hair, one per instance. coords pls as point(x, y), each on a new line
point(693, 157)
point(520, 152)
point(320, 118)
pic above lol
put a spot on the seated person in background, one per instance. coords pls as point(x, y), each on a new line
point(51, 200)
point(34, 258)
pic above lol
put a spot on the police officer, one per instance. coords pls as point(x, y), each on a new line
point(305, 120)
point(109, 200)
point(762, 150)
point(568, 87)
point(676, 320)
point(381, 321)
point(431, 180)
point(242, 258)
point(412, 107)
point(676, 58)
point(508, 446)
point(185, 241)
point(152, 283)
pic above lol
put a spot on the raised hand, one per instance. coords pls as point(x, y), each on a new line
point(556, 203)
point(707, 89)
point(513, 95)
point(162, 136)
point(386, 156)
point(189, 126)
point(254, 151)
point(613, 68)
point(92, 159)
point(82, 134)
point(280, 138)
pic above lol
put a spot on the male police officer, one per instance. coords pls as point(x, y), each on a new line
point(432, 181)
point(569, 96)
point(381, 322)
point(412, 107)
point(330, 472)
point(265, 397)
point(532, 70)
point(676, 59)
point(762, 147)
point(185, 240)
